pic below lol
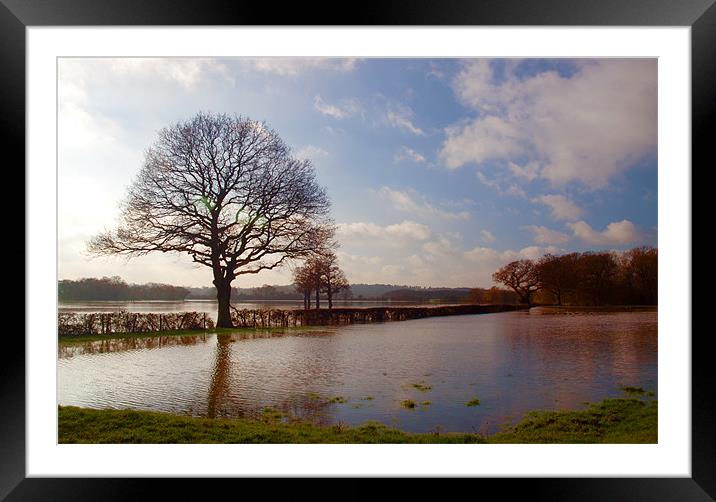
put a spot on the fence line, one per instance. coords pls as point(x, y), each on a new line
point(78, 324)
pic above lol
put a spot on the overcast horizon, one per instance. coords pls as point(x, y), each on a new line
point(439, 170)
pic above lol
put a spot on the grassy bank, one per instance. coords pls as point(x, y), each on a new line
point(610, 421)
point(624, 420)
point(79, 339)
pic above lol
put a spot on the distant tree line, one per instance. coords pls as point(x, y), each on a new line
point(494, 295)
point(451, 295)
point(114, 288)
point(591, 278)
point(359, 291)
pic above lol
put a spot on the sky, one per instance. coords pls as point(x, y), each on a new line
point(439, 170)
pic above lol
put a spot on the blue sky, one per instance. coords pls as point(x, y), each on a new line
point(439, 170)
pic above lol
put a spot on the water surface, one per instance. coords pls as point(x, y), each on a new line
point(208, 306)
point(511, 362)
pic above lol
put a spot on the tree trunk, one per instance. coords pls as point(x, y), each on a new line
point(318, 298)
point(330, 298)
point(223, 295)
point(528, 298)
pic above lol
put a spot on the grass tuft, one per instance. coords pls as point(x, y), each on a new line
point(421, 386)
point(633, 390)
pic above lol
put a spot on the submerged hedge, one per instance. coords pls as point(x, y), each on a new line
point(88, 324)
point(76, 324)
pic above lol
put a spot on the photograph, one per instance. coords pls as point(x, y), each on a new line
point(357, 250)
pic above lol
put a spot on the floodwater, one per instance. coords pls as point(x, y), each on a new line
point(208, 306)
point(512, 362)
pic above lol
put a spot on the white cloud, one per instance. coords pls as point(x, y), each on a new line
point(405, 153)
point(379, 109)
point(497, 258)
point(292, 66)
point(487, 236)
point(417, 205)
point(434, 261)
point(392, 270)
point(186, 72)
point(327, 109)
point(311, 152)
point(501, 186)
point(400, 116)
point(480, 140)
point(562, 207)
point(399, 233)
point(440, 246)
point(616, 233)
point(529, 171)
point(587, 127)
point(415, 261)
point(544, 235)
point(347, 108)
point(436, 72)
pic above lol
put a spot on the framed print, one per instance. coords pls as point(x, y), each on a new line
point(415, 226)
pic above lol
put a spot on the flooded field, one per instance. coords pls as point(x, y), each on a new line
point(458, 373)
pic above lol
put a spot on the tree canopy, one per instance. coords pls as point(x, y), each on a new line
point(227, 191)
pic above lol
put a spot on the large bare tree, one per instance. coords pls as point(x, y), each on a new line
point(227, 191)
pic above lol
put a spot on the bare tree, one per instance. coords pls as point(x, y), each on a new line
point(227, 191)
point(320, 273)
point(304, 282)
point(333, 280)
point(521, 276)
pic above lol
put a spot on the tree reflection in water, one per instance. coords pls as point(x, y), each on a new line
point(77, 348)
point(219, 387)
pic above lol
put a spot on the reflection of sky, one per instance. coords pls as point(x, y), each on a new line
point(512, 363)
point(439, 170)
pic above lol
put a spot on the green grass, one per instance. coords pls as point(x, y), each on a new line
point(81, 339)
point(421, 386)
point(473, 402)
point(270, 413)
point(408, 403)
point(623, 420)
point(81, 425)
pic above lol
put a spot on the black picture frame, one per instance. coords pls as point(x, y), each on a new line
point(700, 15)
